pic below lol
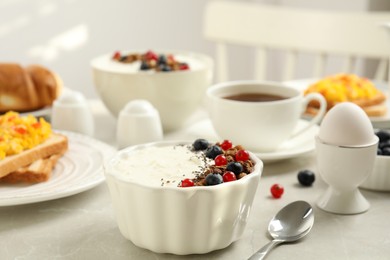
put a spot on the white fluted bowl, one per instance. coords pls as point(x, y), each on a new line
point(379, 179)
point(192, 220)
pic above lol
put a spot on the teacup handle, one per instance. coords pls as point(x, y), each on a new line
point(317, 118)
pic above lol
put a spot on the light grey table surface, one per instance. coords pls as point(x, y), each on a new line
point(83, 226)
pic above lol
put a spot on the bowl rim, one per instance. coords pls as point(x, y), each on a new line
point(259, 167)
point(207, 62)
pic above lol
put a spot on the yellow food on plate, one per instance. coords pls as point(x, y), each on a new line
point(18, 133)
point(29, 149)
point(348, 88)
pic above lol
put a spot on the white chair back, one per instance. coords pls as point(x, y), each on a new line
point(352, 35)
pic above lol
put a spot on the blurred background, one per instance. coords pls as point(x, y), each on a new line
point(65, 35)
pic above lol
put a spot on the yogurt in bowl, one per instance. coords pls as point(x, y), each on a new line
point(156, 209)
point(175, 94)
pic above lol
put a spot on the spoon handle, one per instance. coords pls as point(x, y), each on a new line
point(262, 252)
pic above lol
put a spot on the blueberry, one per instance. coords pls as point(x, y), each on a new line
point(306, 177)
point(386, 151)
point(384, 144)
point(200, 144)
point(164, 68)
point(235, 167)
point(213, 179)
point(144, 66)
point(162, 59)
point(213, 151)
point(383, 135)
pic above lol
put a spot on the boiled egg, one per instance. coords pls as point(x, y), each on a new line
point(346, 124)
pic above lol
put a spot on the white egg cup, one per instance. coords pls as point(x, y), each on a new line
point(344, 169)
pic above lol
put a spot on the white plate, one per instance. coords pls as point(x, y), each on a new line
point(301, 145)
point(381, 122)
point(78, 170)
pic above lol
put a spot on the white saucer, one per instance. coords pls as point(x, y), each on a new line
point(301, 145)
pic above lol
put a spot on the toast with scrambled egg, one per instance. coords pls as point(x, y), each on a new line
point(348, 88)
point(55, 144)
point(25, 143)
point(38, 171)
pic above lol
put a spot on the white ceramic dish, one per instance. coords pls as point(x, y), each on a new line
point(176, 94)
point(379, 179)
point(78, 170)
point(381, 122)
point(302, 145)
point(192, 220)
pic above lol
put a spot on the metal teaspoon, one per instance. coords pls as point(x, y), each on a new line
point(291, 223)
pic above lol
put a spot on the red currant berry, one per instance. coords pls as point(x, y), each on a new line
point(187, 183)
point(150, 55)
point(226, 145)
point(229, 176)
point(277, 191)
point(242, 155)
point(170, 58)
point(116, 56)
point(184, 66)
point(220, 160)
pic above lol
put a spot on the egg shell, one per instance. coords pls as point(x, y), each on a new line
point(346, 124)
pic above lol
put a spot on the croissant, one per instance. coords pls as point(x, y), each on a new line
point(27, 88)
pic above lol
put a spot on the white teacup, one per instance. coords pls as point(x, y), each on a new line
point(260, 126)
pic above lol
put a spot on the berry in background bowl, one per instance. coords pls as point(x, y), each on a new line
point(174, 82)
point(171, 197)
point(379, 179)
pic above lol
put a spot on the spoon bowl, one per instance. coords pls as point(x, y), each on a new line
point(291, 223)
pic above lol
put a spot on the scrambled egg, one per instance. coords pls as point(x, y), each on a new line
point(344, 87)
point(19, 133)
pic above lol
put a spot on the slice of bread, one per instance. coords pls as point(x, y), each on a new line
point(56, 144)
point(376, 110)
point(38, 171)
